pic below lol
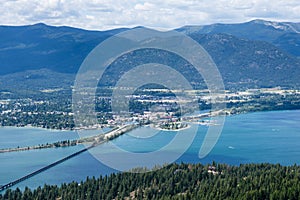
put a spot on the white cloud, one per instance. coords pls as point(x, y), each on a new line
point(241, 4)
point(106, 14)
point(144, 7)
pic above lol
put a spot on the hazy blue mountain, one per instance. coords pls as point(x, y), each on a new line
point(246, 63)
point(252, 54)
point(39, 46)
point(285, 35)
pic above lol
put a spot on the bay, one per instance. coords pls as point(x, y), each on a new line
point(272, 137)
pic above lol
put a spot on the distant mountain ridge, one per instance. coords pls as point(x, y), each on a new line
point(285, 35)
point(252, 54)
point(246, 63)
point(38, 46)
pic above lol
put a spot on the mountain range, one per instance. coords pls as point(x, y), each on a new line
point(285, 35)
point(249, 55)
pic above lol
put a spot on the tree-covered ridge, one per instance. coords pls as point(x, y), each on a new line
point(180, 181)
point(244, 53)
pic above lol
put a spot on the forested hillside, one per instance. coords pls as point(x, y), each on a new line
point(180, 181)
point(243, 56)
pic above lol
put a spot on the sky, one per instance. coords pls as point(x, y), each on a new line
point(160, 14)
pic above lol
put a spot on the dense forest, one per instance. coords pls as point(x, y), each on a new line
point(180, 181)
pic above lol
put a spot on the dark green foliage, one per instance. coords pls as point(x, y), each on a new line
point(180, 181)
point(244, 54)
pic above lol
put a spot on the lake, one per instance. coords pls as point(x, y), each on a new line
point(246, 138)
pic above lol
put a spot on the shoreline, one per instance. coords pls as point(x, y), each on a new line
point(75, 142)
point(226, 161)
point(161, 129)
point(93, 140)
point(86, 128)
point(51, 129)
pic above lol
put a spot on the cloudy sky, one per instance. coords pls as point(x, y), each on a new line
point(166, 14)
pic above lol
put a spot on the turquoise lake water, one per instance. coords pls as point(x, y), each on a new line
point(247, 138)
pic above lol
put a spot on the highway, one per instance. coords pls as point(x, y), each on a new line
point(110, 135)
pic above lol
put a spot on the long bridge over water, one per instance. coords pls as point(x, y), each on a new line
point(107, 136)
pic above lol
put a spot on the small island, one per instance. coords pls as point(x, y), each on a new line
point(171, 126)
